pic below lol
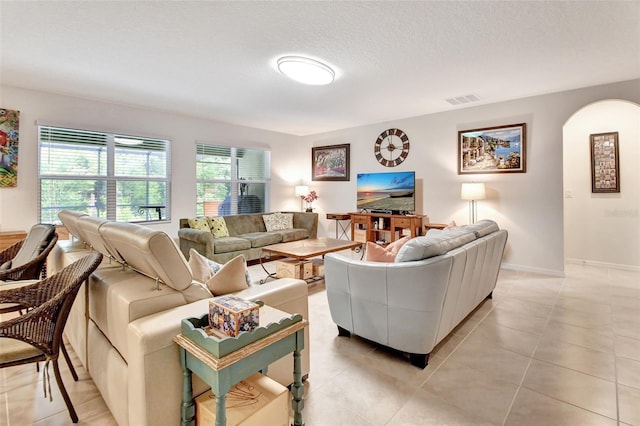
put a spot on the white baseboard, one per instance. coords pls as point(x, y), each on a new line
point(541, 271)
point(603, 264)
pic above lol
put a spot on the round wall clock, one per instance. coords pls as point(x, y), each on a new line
point(391, 147)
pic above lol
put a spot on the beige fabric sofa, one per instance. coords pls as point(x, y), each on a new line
point(124, 319)
point(415, 302)
point(247, 236)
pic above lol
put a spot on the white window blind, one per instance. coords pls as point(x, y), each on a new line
point(118, 177)
point(231, 180)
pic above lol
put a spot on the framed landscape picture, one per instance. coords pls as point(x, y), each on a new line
point(605, 166)
point(330, 162)
point(500, 149)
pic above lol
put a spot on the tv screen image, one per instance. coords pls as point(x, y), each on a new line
point(394, 191)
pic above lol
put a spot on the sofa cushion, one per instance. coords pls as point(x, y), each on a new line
point(149, 251)
point(229, 244)
point(200, 223)
point(69, 219)
point(231, 277)
point(377, 253)
point(278, 221)
point(293, 234)
point(119, 296)
point(434, 244)
point(37, 240)
point(261, 239)
point(218, 227)
point(244, 224)
point(483, 227)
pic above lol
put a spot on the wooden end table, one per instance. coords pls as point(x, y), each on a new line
point(221, 363)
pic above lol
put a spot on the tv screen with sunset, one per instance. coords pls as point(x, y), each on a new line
point(394, 191)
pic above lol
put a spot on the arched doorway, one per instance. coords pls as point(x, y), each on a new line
point(602, 228)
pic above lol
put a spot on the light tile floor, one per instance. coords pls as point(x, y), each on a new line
point(543, 351)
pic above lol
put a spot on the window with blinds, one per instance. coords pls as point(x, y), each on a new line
point(231, 180)
point(117, 177)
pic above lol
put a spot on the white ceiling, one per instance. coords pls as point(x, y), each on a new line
point(393, 60)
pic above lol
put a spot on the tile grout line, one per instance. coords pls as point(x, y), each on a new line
point(531, 357)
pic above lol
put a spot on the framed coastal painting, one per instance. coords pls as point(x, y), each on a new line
point(605, 166)
point(500, 149)
point(330, 162)
point(9, 130)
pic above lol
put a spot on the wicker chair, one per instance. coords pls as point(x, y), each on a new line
point(37, 335)
point(34, 269)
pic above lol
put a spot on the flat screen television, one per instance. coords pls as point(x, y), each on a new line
point(393, 192)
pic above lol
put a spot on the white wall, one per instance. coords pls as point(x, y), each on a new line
point(529, 205)
point(18, 206)
point(602, 228)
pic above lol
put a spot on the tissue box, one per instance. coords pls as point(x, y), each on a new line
point(232, 315)
point(255, 401)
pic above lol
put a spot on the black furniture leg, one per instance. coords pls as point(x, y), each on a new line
point(344, 333)
point(419, 360)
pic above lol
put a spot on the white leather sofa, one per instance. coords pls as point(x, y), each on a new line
point(124, 319)
point(415, 302)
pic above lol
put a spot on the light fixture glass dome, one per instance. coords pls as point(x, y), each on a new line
point(306, 70)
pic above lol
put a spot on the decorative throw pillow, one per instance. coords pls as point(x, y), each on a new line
point(278, 221)
point(378, 253)
point(451, 225)
point(231, 277)
point(200, 223)
point(202, 268)
point(218, 227)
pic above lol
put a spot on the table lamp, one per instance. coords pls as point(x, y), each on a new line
point(472, 191)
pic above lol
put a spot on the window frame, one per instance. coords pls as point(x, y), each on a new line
point(234, 181)
point(109, 177)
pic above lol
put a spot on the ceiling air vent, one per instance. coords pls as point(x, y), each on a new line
point(459, 100)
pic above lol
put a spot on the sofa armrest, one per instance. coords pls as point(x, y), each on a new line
point(155, 374)
point(201, 241)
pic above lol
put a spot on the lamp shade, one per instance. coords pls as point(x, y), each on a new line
point(472, 191)
point(302, 190)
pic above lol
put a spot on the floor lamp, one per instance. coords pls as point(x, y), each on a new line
point(472, 191)
point(301, 191)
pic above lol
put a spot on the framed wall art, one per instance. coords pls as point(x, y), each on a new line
point(330, 162)
point(500, 149)
point(605, 165)
point(9, 131)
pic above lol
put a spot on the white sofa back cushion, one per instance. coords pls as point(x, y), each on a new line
point(434, 244)
point(150, 252)
point(69, 219)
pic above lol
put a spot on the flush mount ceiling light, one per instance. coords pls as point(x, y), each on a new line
point(306, 70)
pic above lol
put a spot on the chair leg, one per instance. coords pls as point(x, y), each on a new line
point(63, 391)
point(66, 357)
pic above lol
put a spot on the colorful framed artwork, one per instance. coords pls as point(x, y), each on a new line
point(330, 162)
point(500, 149)
point(9, 130)
point(605, 164)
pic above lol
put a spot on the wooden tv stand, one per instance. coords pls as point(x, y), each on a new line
point(381, 226)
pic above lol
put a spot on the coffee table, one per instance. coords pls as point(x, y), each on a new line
point(305, 249)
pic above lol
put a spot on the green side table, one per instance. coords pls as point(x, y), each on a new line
point(222, 362)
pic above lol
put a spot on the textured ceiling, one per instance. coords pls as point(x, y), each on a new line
point(393, 60)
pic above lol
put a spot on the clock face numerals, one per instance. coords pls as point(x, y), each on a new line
point(391, 147)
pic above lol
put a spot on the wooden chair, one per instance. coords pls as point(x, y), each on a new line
point(26, 259)
point(37, 335)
